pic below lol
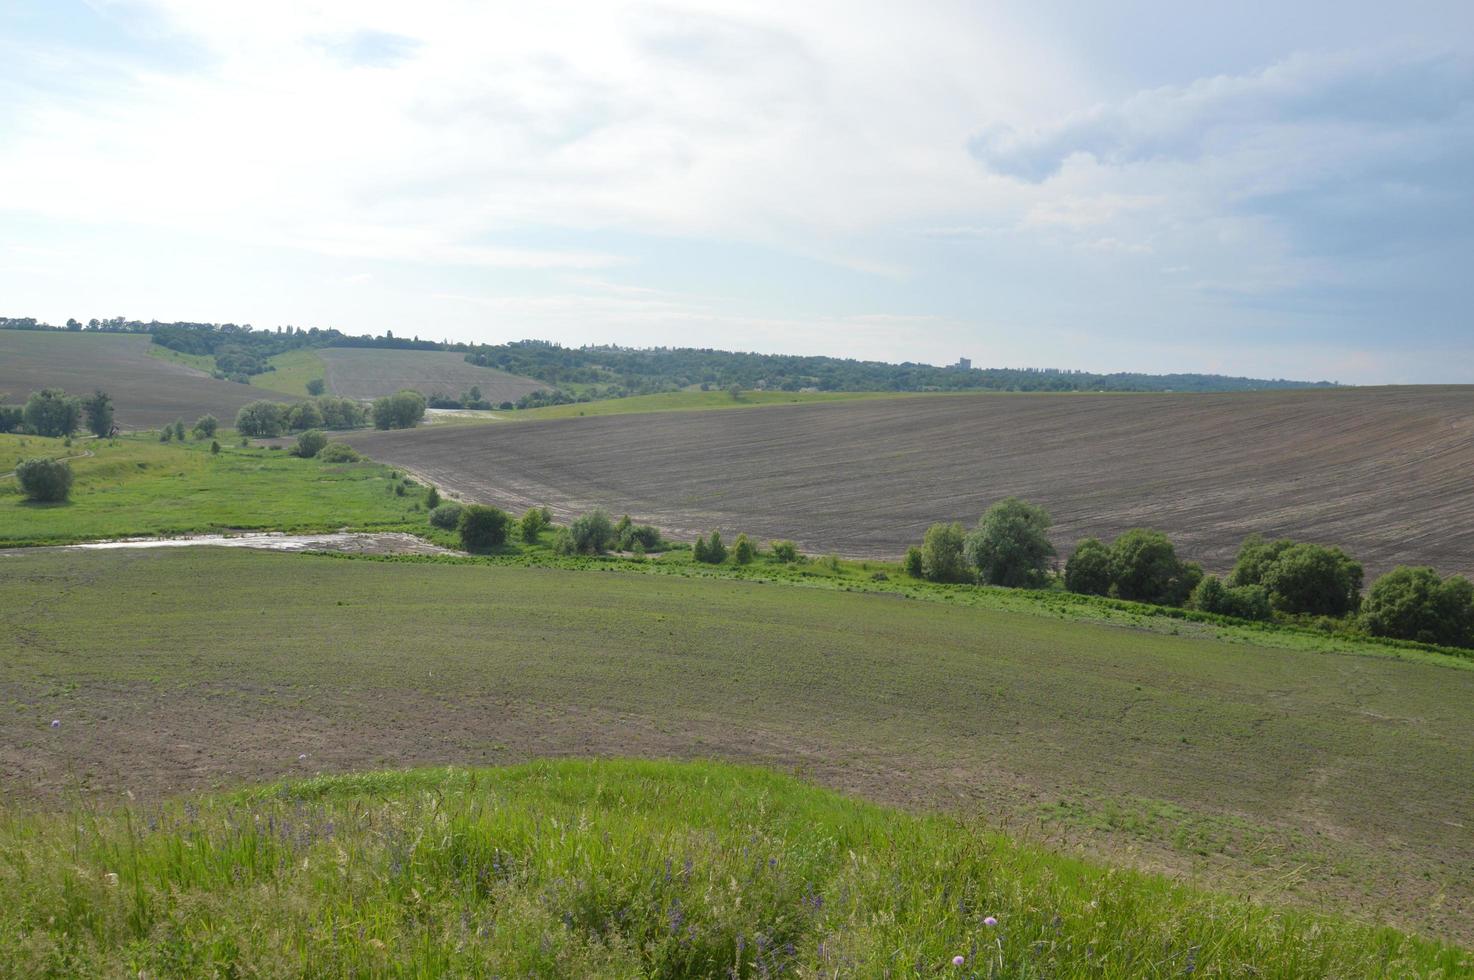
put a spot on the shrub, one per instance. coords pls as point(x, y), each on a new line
point(784, 551)
point(646, 536)
point(260, 419)
point(99, 412)
point(310, 443)
point(11, 417)
point(1145, 568)
point(178, 428)
point(432, 498)
point(1010, 546)
point(166, 434)
point(563, 542)
point(742, 550)
point(1311, 579)
point(592, 533)
point(698, 550)
point(341, 413)
point(942, 554)
point(1088, 571)
point(45, 480)
point(1243, 601)
point(214, 448)
point(339, 452)
point(1415, 604)
point(533, 523)
point(913, 563)
point(483, 528)
point(716, 551)
point(446, 516)
point(52, 412)
point(402, 410)
point(205, 427)
point(316, 386)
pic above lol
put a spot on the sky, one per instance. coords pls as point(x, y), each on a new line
point(1262, 189)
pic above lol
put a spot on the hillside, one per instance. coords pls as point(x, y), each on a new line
point(147, 391)
point(1333, 780)
point(620, 869)
point(1382, 472)
point(364, 373)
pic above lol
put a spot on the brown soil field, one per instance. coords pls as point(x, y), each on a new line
point(1386, 473)
point(367, 373)
point(147, 392)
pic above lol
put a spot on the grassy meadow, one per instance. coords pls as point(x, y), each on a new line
point(1306, 778)
point(616, 869)
point(291, 372)
point(138, 486)
point(685, 401)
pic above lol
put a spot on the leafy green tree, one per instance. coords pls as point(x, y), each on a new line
point(304, 415)
point(784, 551)
point(447, 516)
point(1242, 601)
point(1415, 604)
point(214, 448)
point(310, 443)
point(592, 533)
point(99, 412)
point(1088, 571)
point(716, 552)
point(942, 558)
point(483, 528)
point(698, 549)
point(52, 412)
point(532, 524)
point(402, 410)
point(178, 428)
point(914, 564)
point(45, 480)
point(1010, 546)
point(260, 420)
point(563, 542)
point(1145, 568)
point(1314, 580)
point(316, 386)
point(339, 452)
point(206, 426)
point(742, 550)
point(11, 417)
point(166, 434)
point(432, 498)
point(341, 413)
point(1255, 557)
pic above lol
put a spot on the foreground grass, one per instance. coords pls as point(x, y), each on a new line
point(138, 486)
point(617, 869)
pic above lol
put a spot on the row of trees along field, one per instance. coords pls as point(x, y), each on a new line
point(53, 413)
point(1292, 581)
point(267, 419)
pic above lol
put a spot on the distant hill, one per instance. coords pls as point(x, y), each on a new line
point(357, 372)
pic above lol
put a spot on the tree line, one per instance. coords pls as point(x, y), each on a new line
point(1295, 581)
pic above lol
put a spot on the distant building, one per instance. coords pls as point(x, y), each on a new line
point(963, 364)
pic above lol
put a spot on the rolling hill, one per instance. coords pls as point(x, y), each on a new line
point(1382, 472)
point(361, 372)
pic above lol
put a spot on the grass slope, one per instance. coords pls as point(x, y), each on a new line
point(1333, 780)
point(362, 372)
point(1380, 472)
point(137, 486)
point(616, 869)
point(148, 391)
point(291, 372)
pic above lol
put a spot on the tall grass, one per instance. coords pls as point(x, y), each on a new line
point(618, 869)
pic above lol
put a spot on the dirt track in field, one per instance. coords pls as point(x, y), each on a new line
point(355, 372)
point(147, 392)
point(1387, 473)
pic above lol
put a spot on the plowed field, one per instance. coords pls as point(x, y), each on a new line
point(1387, 473)
point(367, 373)
point(147, 392)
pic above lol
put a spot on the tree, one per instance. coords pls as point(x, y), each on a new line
point(716, 552)
point(942, 554)
point(1145, 568)
point(532, 524)
point(341, 413)
point(784, 551)
point(214, 448)
point(1010, 545)
point(447, 516)
point(1088, 571)
point(52, 412)
point(1415, 604)
point(316, 386)
point(45, 480)
point(304, 415)
point(742, 550)
point(99, 412)
point(11, 417)
point(734, 391)
point(483, 528)
point(698, 550)
point(1242, 601)
point(402, 410)
point(1314, 580)
point(915, 566)
point(178, 428)
point(205, 427)
point(1255, 556)
point(432, 498)
point(310, 443)
point(261, 419)
point(592, 533)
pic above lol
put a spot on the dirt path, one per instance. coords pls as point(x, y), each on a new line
point(82, 455)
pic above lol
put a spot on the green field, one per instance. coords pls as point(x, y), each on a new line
point(689, 401)
point(290, 372)
point(136, 485)
point(204, 363)
point(1328, 780)
point(616, 869)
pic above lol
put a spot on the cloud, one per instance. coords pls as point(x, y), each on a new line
point(369, 49)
